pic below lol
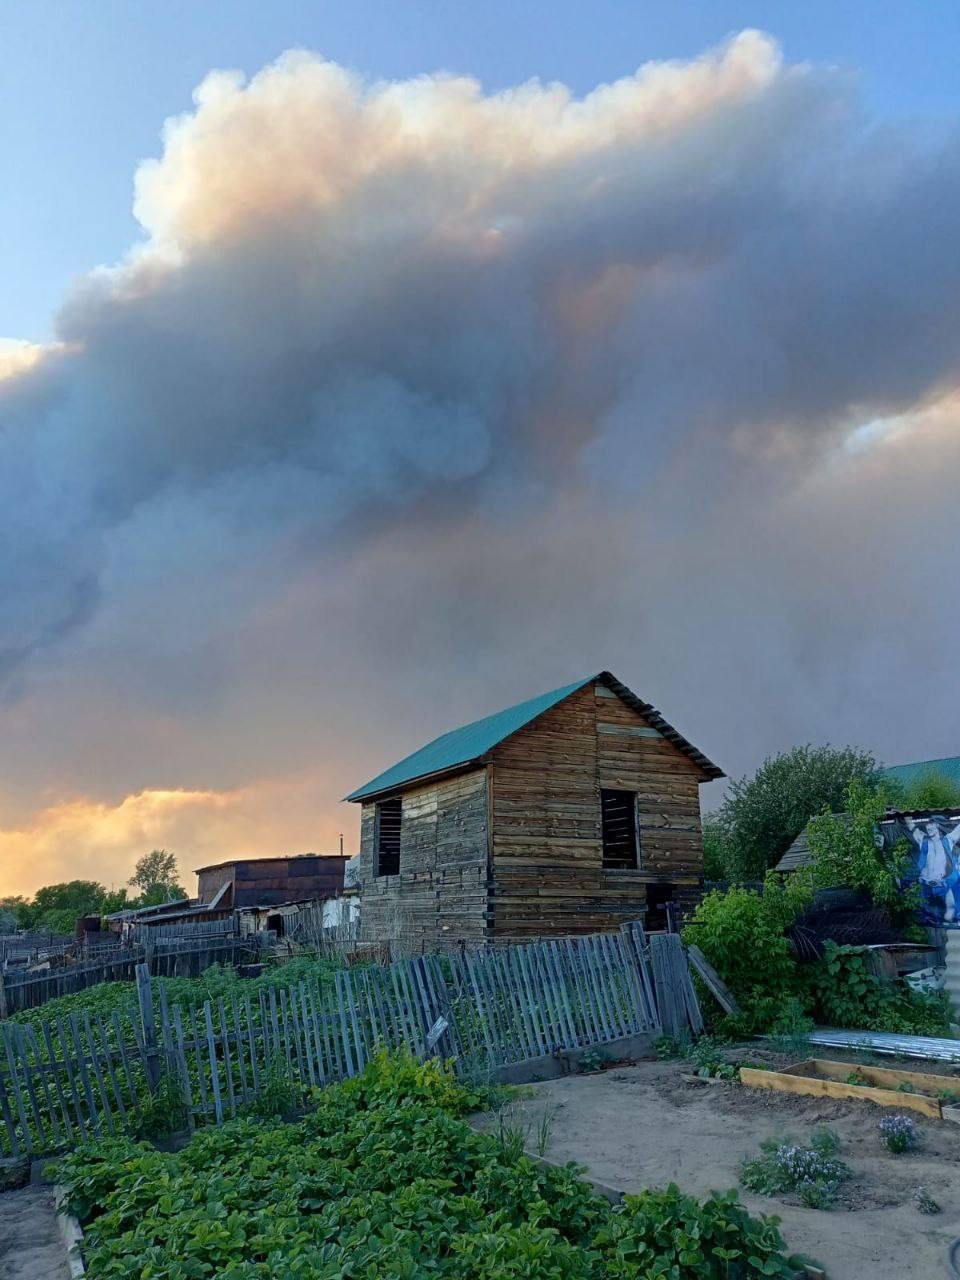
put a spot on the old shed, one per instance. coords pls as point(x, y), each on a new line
point(569, 813)
point(250, 882)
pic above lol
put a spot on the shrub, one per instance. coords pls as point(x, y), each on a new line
point(812, 1173)
point(932, 789)
point(669, 1234)
point(846, 994)
point(898, 1133)
point(844, 851)
point(741, 934)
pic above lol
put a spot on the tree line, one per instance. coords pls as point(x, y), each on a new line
point(57, 907)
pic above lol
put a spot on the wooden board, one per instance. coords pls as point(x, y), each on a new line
point(882, 1077)
point(814, 1086)
point(712, 980)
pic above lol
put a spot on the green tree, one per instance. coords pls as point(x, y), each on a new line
point(762, 815)
point(845, 849)
point(14, 910)
point(716, 853)
point(931, 790)
point(57, 907)
point(155, 875)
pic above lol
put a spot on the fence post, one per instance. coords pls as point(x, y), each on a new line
point(147, 1022)
point(4, 1011)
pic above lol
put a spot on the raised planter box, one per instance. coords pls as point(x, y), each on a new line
point(71, 1233)
point(819, 1077)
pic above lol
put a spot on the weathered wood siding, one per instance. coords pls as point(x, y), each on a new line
point(258, 881)
point(440, 894)
point(548, 876)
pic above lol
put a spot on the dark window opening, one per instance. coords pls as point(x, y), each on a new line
point(661, 908)
point(621, 838)
point(388, 836)
point(276, 924)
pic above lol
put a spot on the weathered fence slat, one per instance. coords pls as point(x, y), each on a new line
point(69, 1077)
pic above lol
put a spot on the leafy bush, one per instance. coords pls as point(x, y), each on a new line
point(386, 1178)
point(844, 851)
point(741, 934)
point(812, 1173)
point(716, 849)
point(846, 994)
point(933, 789)
point(898, 1133)
point(668, 1234)
point(761, 816)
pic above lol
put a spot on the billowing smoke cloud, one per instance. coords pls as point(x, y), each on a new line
point(416, 399)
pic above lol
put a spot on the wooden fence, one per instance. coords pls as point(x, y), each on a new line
point(227, 927)
point(69, 1078)
point(166, 957)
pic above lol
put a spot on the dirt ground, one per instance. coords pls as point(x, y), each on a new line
point(30, 1243)
point(642, 1126)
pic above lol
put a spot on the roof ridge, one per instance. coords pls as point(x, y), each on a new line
point(469, 742)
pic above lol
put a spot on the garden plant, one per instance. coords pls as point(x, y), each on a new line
point(385, 1178)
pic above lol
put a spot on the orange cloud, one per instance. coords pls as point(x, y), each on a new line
point(81, 838)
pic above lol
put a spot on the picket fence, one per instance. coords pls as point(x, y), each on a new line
point(69, 1078)
point(169, 957)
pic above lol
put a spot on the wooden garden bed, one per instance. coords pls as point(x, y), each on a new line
point(906, 1090)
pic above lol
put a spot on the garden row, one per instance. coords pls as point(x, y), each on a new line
point(384, 1177)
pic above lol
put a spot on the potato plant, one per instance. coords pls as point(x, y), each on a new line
point(385, 1178)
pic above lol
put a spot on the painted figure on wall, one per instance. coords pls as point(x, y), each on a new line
point(937, 856)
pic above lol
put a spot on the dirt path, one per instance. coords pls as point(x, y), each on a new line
point(30, 1244)
point(641, 1126)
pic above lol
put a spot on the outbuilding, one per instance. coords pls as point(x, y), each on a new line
point(570, 813)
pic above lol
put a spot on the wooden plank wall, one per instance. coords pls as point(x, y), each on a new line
point(439, 897)
point(548, 876)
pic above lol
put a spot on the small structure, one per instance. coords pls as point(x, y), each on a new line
point(264, 882)
point(180, 914)
point(571, 813)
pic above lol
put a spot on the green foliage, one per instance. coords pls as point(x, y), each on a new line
point(592, 1060)
point(671, 1235)
point(846, 994)
point(790, 1033)
point(190, 993)
point(762, 815)
point(278, 1095)
point(155, 875)
point(741, 934)
point(844, 851)
point(57, 907)
point(667, 1047)
point(716, 849)
point(812, 1173)
point(386, 1179)
point(930, 790)
point(162, 1114)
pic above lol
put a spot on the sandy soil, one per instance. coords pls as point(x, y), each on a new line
point(30, 1243)
point(642, 1126)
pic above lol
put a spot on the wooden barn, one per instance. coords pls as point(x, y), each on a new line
point(570, 813)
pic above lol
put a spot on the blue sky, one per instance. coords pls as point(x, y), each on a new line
point(86, 84)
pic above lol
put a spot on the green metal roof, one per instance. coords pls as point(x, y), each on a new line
point(462, 746)
point(948, 767)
